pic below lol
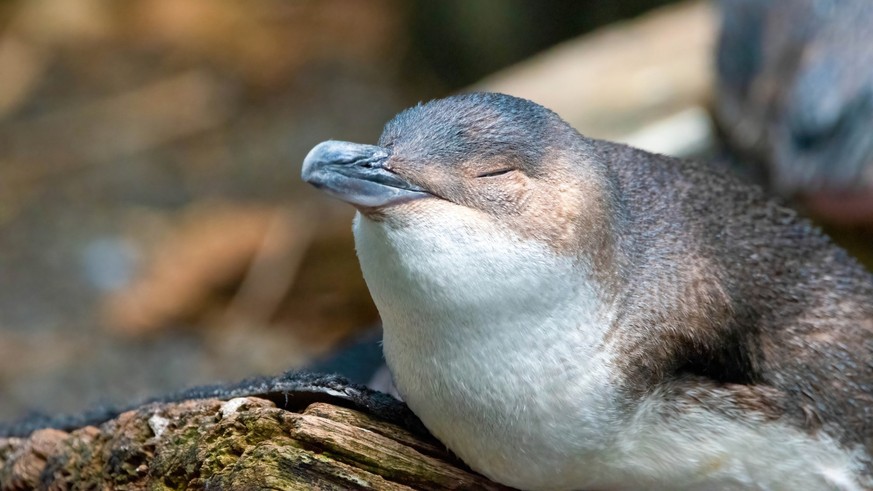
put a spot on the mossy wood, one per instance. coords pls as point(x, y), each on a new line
point(242, 443)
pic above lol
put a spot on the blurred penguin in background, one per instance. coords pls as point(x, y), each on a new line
point(795, 96)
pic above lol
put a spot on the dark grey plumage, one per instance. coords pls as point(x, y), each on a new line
point(766, 300)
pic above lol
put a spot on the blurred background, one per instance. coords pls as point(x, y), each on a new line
point(154, 232)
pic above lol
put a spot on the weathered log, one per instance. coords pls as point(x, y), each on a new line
point(241, 443)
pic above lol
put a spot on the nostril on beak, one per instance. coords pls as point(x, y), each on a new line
point(813, 125)
point(810, 130)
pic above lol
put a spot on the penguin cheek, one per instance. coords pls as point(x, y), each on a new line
point(501, 199)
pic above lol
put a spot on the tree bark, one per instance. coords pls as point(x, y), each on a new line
point(241, 443)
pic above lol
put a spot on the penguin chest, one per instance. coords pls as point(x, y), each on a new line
point(523, 413)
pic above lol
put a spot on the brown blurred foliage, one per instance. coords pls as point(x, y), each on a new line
point(149, 160)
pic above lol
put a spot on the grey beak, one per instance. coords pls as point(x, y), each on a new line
point(356, 174)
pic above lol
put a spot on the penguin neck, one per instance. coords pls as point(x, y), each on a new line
point(465, 289)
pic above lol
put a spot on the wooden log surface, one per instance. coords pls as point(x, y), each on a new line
point(241, 443)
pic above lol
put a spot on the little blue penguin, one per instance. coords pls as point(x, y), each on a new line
point(795, 93)
point(565, 313)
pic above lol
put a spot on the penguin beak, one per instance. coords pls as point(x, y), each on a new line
point(357, 174)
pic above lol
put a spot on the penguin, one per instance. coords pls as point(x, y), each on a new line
point(794, 92)
point(566, 313)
